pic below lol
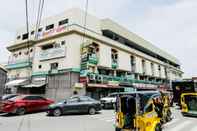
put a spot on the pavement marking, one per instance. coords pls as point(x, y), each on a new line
point(180, 126)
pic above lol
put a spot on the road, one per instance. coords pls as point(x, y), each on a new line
point(99, 122)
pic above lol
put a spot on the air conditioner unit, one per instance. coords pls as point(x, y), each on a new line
point(92, 77)
point(100, 78)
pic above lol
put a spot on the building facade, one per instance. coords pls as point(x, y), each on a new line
point(3, 78)
point(93, 57)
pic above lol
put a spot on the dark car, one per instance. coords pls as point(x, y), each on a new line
point(77, 104)
point(25, 103)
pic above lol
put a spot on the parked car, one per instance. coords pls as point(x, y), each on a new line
point(8, 96)
point(109, 101)
point(4, 98)
point(77, 104)
point(25, 103)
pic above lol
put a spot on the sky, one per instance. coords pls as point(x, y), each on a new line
point(169, 24)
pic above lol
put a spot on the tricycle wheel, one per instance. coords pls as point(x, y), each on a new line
point(158, 127)
point(117, 129)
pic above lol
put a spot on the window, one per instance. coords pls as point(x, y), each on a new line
point(63, 42)
point(32, 32)
point(18, 37)
point(149, 108)
point(40, 66)
point(57, 45)
point(40, 29)
point(83, 98)
point(26, 52)
point(50, 27)
point(62, 22)
point(33, 98)
point(54, 66)
point(46, 47)
point(25, 36)
point(73, 100)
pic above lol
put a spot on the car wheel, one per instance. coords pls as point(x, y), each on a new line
point(20, 111)
point(92, 111)
point(158, 127)
point(117, 129)
point(57, 112)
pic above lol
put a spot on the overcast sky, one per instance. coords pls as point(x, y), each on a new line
point(168, 24)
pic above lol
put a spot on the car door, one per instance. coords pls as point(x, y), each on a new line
point(84, 104)
point(71, 105)
point(42, 103)
point(31, 103)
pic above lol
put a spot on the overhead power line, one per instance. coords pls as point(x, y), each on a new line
point(39, 17)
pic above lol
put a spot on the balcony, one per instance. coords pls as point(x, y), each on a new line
point(92, 59)
point(19, 64)
point(114, 64)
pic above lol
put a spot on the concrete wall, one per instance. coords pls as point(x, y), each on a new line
point(104, 56)
point(19, 73)
point(3, 78)
point(124, 61)
point(71, 58)
point(139, 65)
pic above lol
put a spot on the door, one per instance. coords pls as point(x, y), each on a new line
point(72, 105)
point(31, 103)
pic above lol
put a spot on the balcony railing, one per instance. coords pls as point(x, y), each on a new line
point(127, 79)
point(93, 59)
point(21, 64)
point(114, 64)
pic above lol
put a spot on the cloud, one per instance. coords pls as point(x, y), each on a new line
point(170, 24)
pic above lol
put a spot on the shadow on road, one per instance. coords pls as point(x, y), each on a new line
point(73, 114)
point(14, 115)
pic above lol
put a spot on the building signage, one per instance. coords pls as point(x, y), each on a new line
point(52, 53)
point(52, 31)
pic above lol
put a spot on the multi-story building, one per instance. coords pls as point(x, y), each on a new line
point(93, 56)
point(3, 78)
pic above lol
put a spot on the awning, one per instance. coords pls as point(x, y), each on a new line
point(16, 82)
point(33, 85)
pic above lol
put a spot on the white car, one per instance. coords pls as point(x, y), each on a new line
point(109, 101)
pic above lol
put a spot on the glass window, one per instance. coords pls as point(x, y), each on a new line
point(63, 42)
point(25, 36)
point(18, 37)
point(149, 108)
point(62, 22)
point(34, 98)
point(40, 66)
point(32, 32)
point(73, 100)
point(48, 27)
point(40, 29)
point(54, 66)
point(84, 98)
point(48, 46)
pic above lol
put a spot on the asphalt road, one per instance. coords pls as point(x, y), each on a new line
point(103, 121)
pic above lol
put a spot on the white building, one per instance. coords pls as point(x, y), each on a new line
point(100, 58)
